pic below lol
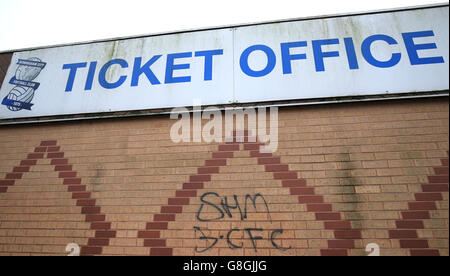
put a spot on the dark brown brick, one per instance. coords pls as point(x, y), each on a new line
point(63, 168)
point(200, 178)
point(164, 217)
point(186, 193)
point(155, 242)
point(435, 187)
point(333, 252)
point(53, 149)
point(336, 225)
point(285, 175)
point(424, 252)
point(55, 155)
point(208, 170)
point(90, 210)
point(77, 188)
point(72, 181)
point(428, 196)
point(98, 242)
point(40, 149)
point(81, 195)
point(193, 185)
point(13, 176)
point(422, 205)
point(161, 252)
point(438, 179)
point(95, 217)
point(269, 160)
point(409, 224)
point(21, 169)
point(67, 174)
point(28, 162)
point(101, 225)
point(8, 182)
point(86, 202)
point(276, 168)
point(35, 155)
point(48, 143)
point(178, 201)
point(171, 209)
point(415, 215)
point(341, 244)
point(157, 225)
point(302, 191)
point(231, 147)
point(414, 244)
point(90, 250)
point(105, 234)
point(292, 183)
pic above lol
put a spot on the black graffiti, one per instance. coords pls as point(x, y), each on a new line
point(225, 208)
point(252, 233)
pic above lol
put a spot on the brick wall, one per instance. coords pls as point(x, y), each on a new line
point(344, 176)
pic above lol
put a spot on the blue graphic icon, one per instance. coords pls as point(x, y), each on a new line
point(23, 92)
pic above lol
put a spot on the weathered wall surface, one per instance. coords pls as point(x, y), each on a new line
point(344, 176)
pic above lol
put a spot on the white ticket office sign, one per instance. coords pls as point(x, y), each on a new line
point(388, 52)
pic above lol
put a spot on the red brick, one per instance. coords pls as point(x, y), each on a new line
point(157, 225)
point(319, 207)
point(333, 252)
point(200, 178)
point(424, 252)
point(101, 225)
point(3, 189)
point(328, 216)
point(148, 234)
point(90, 210)
point(28, 162)
point(276, 168)
point(285, 175)
point(186, 193)
point(310, 199)
point(105, 234)
point(292, 183)
point(302, 191)
point(216, 162)
point(53, 149)
point(59, 162)
point(415, 215)
point(208, 170)
point(8, 182)
point(409, 224)
point(414, 244)
point(95, 217)
point(72, 181)
point(48, 143)
point(252, 146)
point(441, 170)
point(98, 242)
point(86, 202)
point(402, 234)
point(438, 179)
point(269, 160)
point(341, 244)
point(77, 188)
point(40, 149)
point(230, 147)
point(193, 185)
point(435, 187)
point(335, 225)
point(21, 169)
point(164, 217)
point(81, 195)
point(161, 252)
point(55, 155)
point(171, 209)
point(155, 242)
point(178, 201)
point(444, 162)
point(67, 174)
point(347, 234)
point(422, 205)
point(35, 156)
point(222, 154)
point(90, 250)
point(428, 196)
point(13, 176)
point(63, 168)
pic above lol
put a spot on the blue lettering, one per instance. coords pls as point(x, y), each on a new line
point(351, 54)
point(271, 60)
point(138, 70)
point(286, 56)
point(208, 61)
point(102, 74)
point(90, 76)
point(319, 55)
point(73, 71)
point(367, 54)
point(170, 67)
point(412, 48)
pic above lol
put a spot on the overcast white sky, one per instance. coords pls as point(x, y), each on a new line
point(32, 23)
